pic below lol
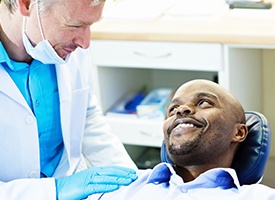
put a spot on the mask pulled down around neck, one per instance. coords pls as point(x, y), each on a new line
point(43, 51)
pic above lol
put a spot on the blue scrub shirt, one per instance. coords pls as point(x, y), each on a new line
point(37, 82)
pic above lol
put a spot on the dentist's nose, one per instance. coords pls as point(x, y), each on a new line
point(83, 38)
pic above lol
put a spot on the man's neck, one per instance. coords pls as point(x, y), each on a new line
point(11, 37)
point(190, 173)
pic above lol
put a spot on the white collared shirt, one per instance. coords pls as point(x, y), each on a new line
point(162, 182)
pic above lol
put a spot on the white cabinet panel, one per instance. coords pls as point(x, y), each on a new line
point(137, 132)
point(161, 55)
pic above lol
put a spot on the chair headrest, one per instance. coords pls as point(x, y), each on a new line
point(251, 158)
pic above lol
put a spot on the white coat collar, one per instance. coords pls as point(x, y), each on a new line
point(8, 87)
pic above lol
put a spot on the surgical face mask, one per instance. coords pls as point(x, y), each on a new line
point(43, 51)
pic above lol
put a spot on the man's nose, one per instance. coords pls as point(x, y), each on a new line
point(185, 110)
point(82, 40)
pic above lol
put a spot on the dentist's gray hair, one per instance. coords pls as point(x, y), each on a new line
point(43, 4)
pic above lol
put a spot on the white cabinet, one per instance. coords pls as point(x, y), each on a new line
point(121, 67)
point(157, 55)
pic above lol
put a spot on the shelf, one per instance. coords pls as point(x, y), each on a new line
point(115, 82)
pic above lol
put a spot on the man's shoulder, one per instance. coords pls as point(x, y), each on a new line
point(258, 191)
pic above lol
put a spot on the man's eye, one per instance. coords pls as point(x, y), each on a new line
point(205, 102)
point(75, 26)
point(172, 109)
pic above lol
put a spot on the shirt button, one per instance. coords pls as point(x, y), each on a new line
point(29, 119)
point(183, 190)
point(33, 174)
point(36, 103)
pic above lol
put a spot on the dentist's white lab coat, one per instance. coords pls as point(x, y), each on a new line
point(87, 138)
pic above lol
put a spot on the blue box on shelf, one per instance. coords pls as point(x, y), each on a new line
point(153, 106)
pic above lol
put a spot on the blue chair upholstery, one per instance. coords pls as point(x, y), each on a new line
point(251, 158)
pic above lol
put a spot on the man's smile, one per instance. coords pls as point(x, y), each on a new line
point(184, 124)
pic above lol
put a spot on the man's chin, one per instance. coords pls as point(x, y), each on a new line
point(175, 149)
point(181, 148)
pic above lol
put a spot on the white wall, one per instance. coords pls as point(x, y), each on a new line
point(269, 109)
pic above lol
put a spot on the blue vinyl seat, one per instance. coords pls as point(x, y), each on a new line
point(251, 158)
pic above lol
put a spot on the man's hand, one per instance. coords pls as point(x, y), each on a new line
point(93, 180)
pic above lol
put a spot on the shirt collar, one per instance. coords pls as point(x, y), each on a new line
point(217, 177)
point(161, 173)
point(4, 58)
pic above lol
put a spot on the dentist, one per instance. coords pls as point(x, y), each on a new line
point(54, 141)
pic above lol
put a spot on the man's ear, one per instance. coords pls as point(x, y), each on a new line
point(241, 133)
point(24, 7)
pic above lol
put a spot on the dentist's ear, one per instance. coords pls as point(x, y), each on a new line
point(24, 7)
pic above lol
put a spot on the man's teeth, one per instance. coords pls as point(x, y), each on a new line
point(184, 125)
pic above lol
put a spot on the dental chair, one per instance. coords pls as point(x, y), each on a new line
point(251, 158)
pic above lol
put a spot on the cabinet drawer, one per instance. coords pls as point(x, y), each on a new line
point(137, 132)
point(160, 55)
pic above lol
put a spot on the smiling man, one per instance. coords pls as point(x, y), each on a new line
point(204, 127)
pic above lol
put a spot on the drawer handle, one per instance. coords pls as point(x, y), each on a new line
point(160, 55)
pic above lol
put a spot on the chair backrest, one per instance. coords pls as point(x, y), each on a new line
point(251, 158)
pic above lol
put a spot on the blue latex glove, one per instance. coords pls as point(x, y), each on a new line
point(93, 180)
